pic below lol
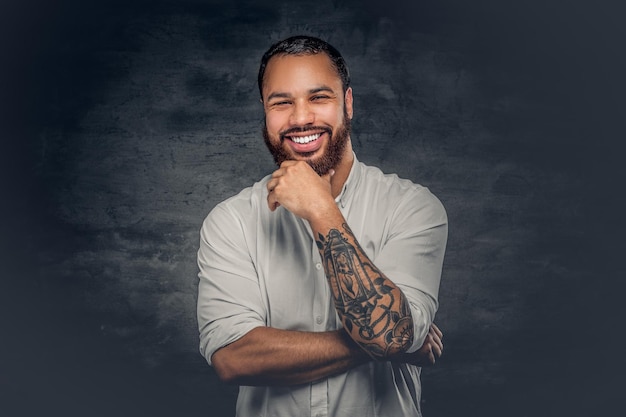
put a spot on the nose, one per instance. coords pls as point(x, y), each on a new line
point(302, 114)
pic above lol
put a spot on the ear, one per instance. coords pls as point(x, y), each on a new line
point(348, 102)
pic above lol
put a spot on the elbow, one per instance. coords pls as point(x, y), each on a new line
point(226, 368)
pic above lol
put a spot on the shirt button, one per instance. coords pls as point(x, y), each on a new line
point(318, 265)
point(318, 319)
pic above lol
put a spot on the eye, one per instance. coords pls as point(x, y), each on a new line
point(280, 103)
point(319, 97)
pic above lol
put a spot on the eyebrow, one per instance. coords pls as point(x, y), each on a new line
point(311, 91)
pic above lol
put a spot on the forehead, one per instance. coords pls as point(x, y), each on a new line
point(296, 72)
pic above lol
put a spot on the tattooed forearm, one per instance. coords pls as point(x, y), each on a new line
point(373, 310)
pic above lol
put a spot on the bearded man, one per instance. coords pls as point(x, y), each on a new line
point(318, 284)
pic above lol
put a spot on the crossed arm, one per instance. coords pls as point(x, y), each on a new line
point(268, 356)
point(374, 312)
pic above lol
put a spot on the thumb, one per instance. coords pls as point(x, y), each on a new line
point(329, 175)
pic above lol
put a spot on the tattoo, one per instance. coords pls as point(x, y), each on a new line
point(374, 313)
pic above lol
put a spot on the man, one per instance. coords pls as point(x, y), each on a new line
point(318, 284)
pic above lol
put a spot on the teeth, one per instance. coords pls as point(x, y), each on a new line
point(305, 139)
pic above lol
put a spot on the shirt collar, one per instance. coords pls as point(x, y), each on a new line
point(351, 182)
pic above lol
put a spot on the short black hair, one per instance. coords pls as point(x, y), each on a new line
point(305, 45)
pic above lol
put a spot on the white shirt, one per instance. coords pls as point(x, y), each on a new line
point(263, 268)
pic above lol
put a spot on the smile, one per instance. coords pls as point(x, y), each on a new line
point(305, 139)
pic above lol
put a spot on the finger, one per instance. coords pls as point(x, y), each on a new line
point(436, 329)
point(426, 350)
point(282, 169)
point(272, 202)
point(434, 335)
point(437, 348)
point(271, 184)
point(431, 358)
point(433, 345)
point(273, 206)
point(436, 343)
point(278, 173)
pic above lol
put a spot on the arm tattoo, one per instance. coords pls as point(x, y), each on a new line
point(375, 314)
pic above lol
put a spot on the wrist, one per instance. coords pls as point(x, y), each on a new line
point(325, 216)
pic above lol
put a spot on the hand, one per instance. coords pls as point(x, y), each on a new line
point(298, 188)
point(431, 350)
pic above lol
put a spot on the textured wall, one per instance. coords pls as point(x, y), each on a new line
point(127, 121)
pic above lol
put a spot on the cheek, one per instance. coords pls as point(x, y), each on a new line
point(274, 124)
point(333, 115)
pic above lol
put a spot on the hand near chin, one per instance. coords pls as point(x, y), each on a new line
point(299, 189)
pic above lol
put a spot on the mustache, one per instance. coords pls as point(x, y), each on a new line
point(305, 128)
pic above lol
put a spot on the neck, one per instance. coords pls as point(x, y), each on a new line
point(342, 171)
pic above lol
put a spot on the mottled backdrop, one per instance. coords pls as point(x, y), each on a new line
point(125, 122)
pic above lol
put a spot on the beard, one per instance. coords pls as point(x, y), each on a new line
point(332, 155)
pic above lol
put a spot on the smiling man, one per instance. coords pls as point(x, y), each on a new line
point(318, 284)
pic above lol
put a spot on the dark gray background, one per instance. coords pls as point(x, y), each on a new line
point(125, 122)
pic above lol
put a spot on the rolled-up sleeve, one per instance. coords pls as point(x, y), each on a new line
point(229, 300)
point(412, 256)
